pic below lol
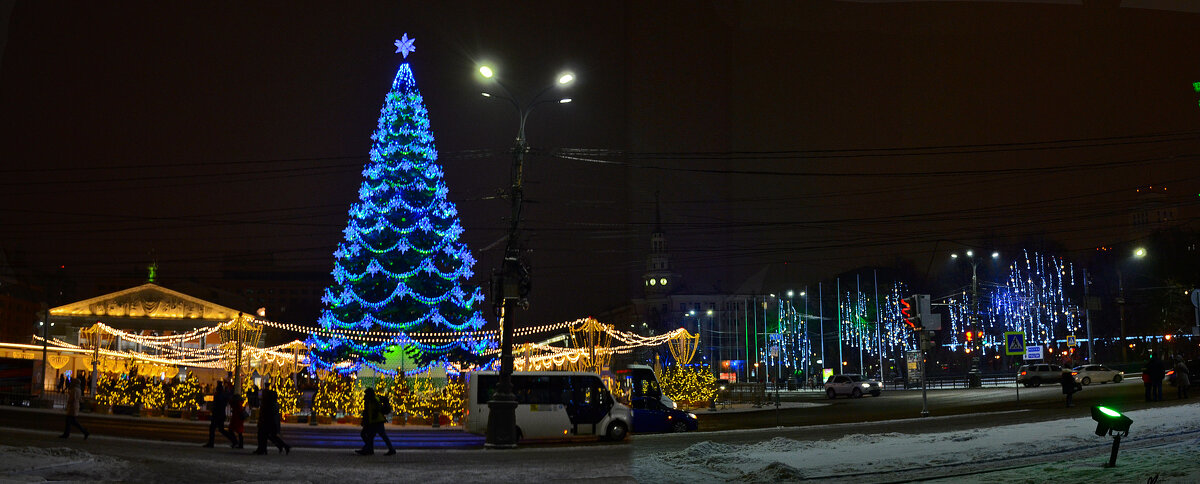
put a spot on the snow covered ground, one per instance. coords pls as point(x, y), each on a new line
point(1053, 451)
point(1164, 444)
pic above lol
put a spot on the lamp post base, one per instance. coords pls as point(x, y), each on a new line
point(502, 422)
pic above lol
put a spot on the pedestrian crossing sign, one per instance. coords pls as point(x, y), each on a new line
point(1071, 340)
point(1014, 343)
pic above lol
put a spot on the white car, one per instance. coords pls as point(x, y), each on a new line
point(1087, 374)
point(852, 386)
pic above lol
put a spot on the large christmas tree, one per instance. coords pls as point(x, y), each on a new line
point(400, 272)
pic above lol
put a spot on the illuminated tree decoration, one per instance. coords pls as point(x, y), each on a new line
point(186, 394)
point(692, 386)
point(289, 398)
point(1034, 299)
point(336, 395)
point(401, 267)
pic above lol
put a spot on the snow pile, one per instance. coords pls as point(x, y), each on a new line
point(783, 459)
point(33, 464)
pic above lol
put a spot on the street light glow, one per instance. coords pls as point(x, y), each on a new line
point(791, 293)
point(564, 100)
point(485, 94)
point(1140, 252)
point(486, 71)
point(953, 256)
point(566, 78)
point(995, 255)
point(970, 253)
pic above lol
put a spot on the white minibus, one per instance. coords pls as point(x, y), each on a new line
point(551, 405)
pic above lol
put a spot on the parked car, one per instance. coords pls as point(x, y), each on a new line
point(1035, 375)
point(853, 386)
point(1087, 374)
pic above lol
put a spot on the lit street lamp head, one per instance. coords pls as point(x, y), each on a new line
point(1140, 252)
point(566, 78)
point(486, 71)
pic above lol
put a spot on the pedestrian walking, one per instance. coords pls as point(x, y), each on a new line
point(1069, 386)
point(237, 420)
point(61, 382)
point(268, 423)
point(1183, 379)
point(374, 418)
point(1155, 371)
point(216, 423)
point(74, 396)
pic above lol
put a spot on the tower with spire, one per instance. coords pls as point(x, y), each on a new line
point(658, 279)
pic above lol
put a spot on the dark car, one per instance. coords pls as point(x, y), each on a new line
point(651, 415)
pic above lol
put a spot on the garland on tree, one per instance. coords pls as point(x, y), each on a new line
point(401, 267)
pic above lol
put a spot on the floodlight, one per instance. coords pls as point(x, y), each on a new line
point(1109, 420)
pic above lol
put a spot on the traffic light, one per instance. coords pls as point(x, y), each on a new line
point(908, 310)
point(970, 336)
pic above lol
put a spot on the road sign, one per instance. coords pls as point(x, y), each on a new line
point(1014, 343)
point(1071, 340)
point(1033, 352)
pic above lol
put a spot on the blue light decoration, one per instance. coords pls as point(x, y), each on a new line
point(401, 267)
point(897, 336)
point(1034, 300)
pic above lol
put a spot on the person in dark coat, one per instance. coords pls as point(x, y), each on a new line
point(1183, 379)
point(374, 418)
point(1155, 371)
point(74, 395)
point(217, 416)
point(268, 423)
point(1069, 386)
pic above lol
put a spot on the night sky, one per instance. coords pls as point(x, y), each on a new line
point(824, 135)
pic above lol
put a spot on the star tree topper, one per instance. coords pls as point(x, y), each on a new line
point(405, 45)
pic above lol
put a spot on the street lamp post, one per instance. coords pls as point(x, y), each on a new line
point(1138, 253)
point(511, 285)
point(970, 256)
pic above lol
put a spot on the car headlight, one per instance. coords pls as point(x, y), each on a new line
point(866, 385)
point(693, 416)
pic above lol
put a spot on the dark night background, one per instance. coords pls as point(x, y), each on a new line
point(222, 138)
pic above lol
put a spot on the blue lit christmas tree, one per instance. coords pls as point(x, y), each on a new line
point(401, 270)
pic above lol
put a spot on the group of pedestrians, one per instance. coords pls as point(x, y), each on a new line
point(1155, 371)
point(225, 400)
point(226, 404)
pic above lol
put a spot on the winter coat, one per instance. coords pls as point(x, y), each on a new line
point(1068, 383)
point(372, 412)
point(219, 402)
point(1155, 369)
point(268, 413)
point(73, 398)
point(1182, 378)
point(237, 416)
